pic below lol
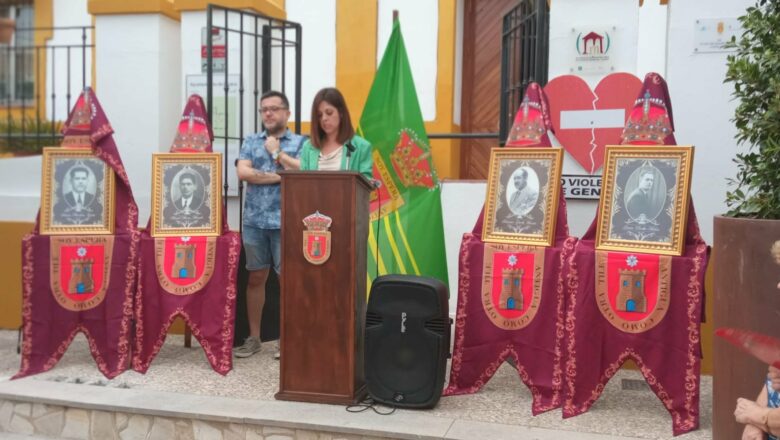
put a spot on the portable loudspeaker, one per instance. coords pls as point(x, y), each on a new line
point(407, 340)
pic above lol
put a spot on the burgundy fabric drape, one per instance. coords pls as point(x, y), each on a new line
point(207, 301)
point(665, 341)
point(51, 318)
point(486, 334)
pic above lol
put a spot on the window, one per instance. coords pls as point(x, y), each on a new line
point(17, 57)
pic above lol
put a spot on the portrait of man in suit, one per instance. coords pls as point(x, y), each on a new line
point(78, 202)
point(525, 194)
point(186, 205)
point(646, 199)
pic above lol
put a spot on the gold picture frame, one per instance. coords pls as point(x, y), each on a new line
point(186, 194)
point(77, 193)
point(644, 199)
point(525, 211)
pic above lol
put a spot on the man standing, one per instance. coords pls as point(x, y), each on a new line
point(640, 203)
point(261, 156)
point(524, 198)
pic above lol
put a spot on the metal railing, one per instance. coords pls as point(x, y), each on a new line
point(524, 56)
point(40, 82)
point(266, 47)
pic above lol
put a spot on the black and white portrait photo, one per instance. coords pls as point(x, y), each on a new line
point(523, 190)
point(641, 203)
point(186, 188)
point(76, 192)
point(522, 195)
point(644, 198)
point(186, 192)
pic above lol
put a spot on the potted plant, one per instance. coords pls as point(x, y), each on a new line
point(745, 275)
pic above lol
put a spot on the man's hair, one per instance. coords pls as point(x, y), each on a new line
point(187, 175)
point(646, 170)
point(332, 96)
point(274, 93)
point(78, 168)
point(523, 171)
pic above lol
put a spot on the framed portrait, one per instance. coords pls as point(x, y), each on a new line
point(77, 193)
point(186, 194)
point(644, 199)
point(522, 195)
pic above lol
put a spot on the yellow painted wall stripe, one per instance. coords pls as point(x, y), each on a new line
point(406, 243)
point(355, 52)
point(110, 7)
point(270, 8)
point(394, 245)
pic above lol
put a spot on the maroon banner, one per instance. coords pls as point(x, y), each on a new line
point(82, 283)
point(488, 330)
point(206, 301)
point(59, 300)
point(179, 276)
point(511, 298)
point(637, 306)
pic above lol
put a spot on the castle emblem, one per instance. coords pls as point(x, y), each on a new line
point(316, 238)
point(411, 162)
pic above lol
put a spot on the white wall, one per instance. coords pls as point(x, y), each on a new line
point(420, 28)
point(139, 87)
point(702, 104)
point(319, 48)
point(67, 13)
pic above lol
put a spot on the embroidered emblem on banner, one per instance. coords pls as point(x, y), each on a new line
point(411, 161)
point(633, 290)
point(184, 264)
point(387, 193)
point(316, 239)
point(512, 284)
point(80, 270)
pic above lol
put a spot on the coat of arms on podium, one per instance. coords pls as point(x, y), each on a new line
point(316, 238)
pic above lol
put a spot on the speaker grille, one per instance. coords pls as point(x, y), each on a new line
point(439, 326)
point(373, 319)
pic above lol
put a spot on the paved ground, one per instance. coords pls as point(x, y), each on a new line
point(504, 400)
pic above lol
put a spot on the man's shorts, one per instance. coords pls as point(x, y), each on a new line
point(263, 248)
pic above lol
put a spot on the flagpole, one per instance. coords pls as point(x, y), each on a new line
point(395, 15)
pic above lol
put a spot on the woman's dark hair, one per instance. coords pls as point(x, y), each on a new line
point(333, 97)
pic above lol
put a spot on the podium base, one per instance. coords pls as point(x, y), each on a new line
point(334, 399)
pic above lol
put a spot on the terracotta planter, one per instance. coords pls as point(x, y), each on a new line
point(745, 296)
point(7, 26)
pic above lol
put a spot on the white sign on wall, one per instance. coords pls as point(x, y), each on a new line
point(711, 34)
point(592, 50)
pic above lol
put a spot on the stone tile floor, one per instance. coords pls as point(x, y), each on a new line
point(504, 400)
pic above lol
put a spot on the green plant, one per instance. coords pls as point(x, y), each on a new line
point(754, 69)
point(28, 138)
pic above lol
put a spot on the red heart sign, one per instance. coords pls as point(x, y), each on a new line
point(584, 120)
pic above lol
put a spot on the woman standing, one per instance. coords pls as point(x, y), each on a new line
point(333, 144)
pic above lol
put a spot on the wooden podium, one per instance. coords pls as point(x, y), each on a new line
point(323, 306)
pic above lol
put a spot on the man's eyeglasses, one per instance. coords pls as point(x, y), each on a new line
point(272, 109)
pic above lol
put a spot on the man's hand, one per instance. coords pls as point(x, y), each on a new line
point(753, 433)
point(271, 144)
point(749, 412)
point(774, 376)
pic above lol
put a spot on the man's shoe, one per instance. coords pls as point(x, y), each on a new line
point(250, 346)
